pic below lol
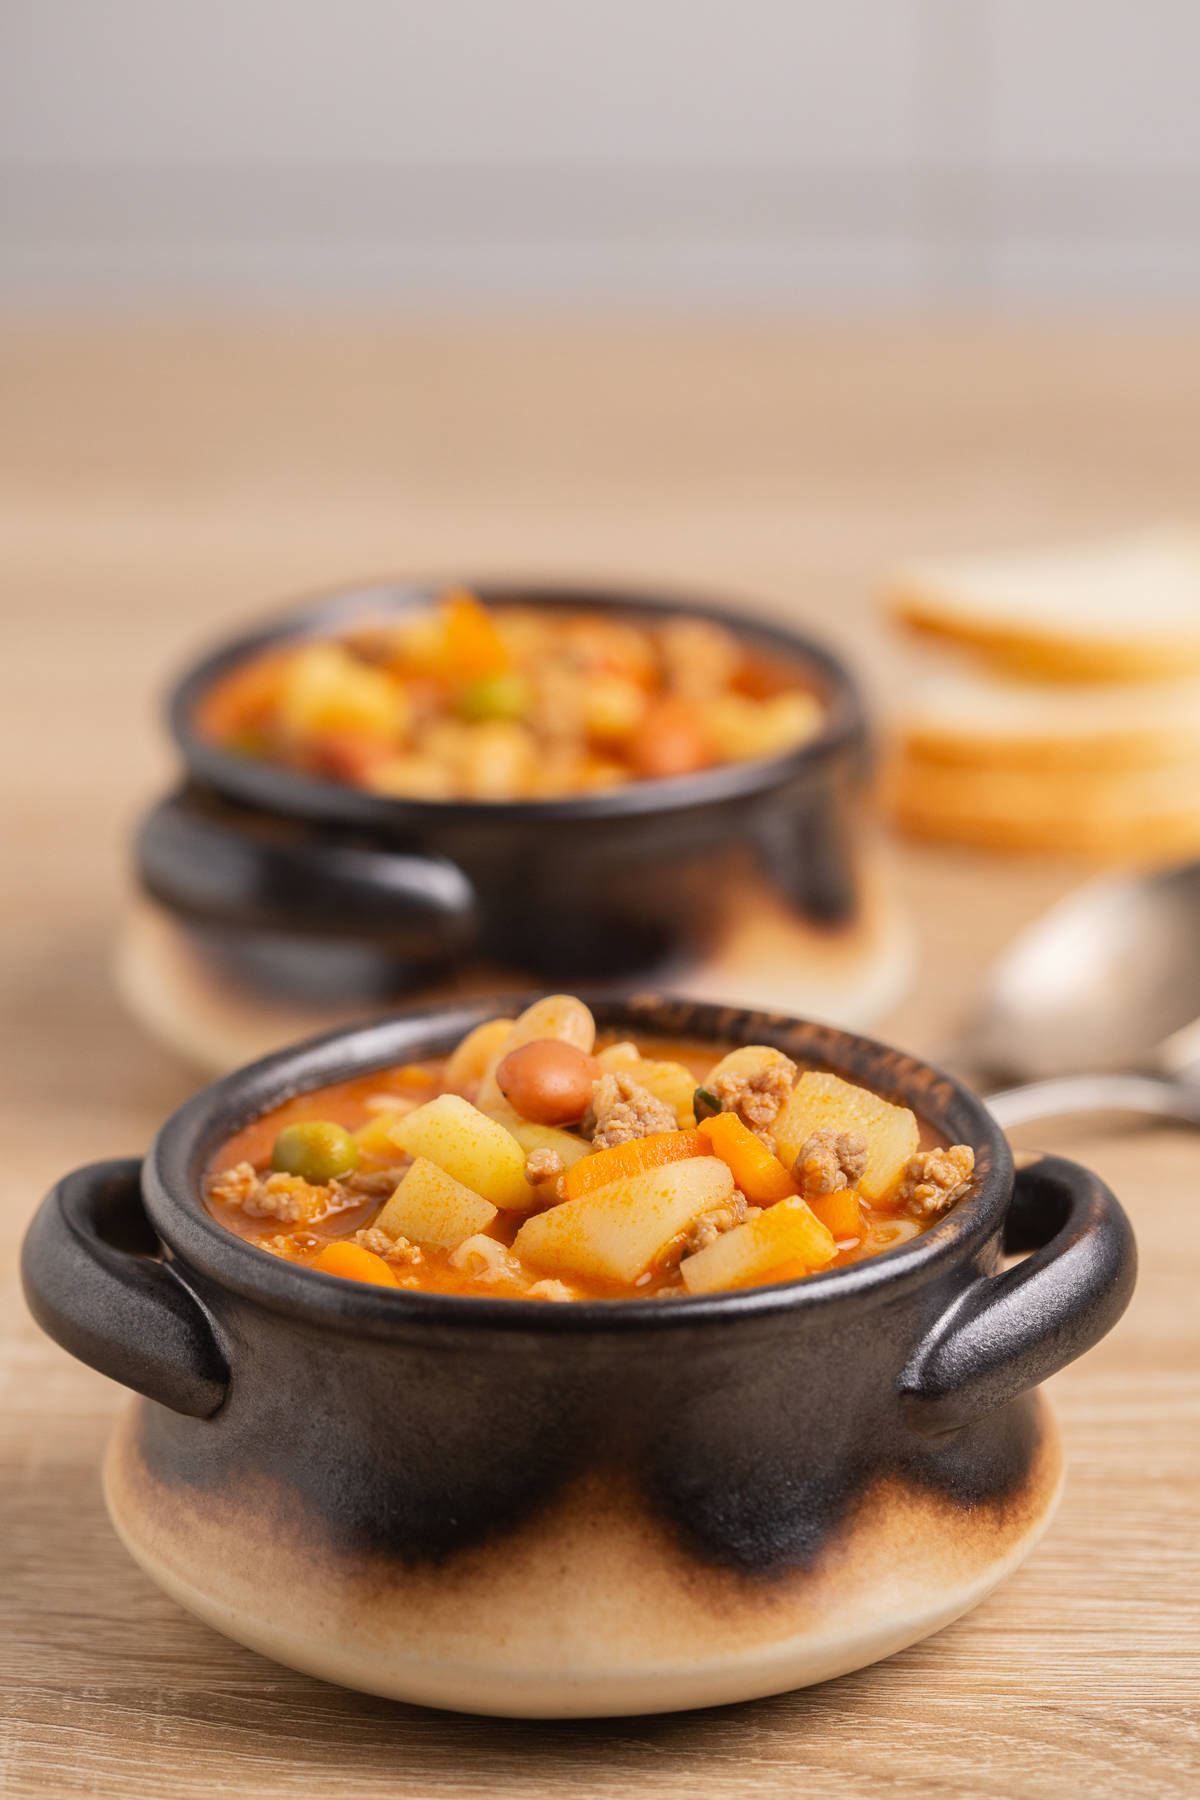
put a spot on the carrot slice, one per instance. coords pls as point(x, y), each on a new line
point(353, 1262)
point(623, 1160)
point(473, 645)
point(839, 1211)
point(762, 1177)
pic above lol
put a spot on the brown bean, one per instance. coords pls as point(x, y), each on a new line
point(547, 1081)
point(670, 740)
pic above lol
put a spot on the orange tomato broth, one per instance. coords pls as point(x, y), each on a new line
point(487, 707)
point(347, 1103)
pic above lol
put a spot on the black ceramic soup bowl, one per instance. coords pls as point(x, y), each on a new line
point(588, 1508)
point(317, 887)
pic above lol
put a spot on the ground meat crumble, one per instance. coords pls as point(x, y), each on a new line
point(392, 1249)
point(543, 1165)
point(829, 1160)
point(288, 1198)
point(291, 1199)
point(710, 1225)
point(934, 1179)
point(757, 1098)
point(625, 1110)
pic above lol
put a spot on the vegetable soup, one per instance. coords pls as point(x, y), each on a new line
point(537, 1163)
point(515, 703)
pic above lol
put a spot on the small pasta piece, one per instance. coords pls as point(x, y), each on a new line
point(486, 1259)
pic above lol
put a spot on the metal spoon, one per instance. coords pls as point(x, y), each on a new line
point(1097, 1005)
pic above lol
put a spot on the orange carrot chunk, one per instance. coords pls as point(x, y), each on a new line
point(354, 1263)
point(839, 1211)
point(623, 1160)
point(474, 647)
point(762, 1177)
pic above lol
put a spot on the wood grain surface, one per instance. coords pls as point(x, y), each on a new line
point(156, 483)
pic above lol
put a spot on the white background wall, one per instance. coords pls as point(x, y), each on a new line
point(860, 152)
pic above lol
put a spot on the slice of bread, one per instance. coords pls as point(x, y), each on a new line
point(1124, 815)
point(1121, 610)
point(957, 712)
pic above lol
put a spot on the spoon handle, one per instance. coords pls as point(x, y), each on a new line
point(1066, 1094)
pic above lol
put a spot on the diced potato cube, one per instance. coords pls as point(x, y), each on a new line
point(891, 1132)
point(622, 1055)
point(617, 1231)
point(788, 1233)
point(430, 1207)
point(532, 1136)
point(376, 1141)
point(463, 1141)
point(669, 1082)
point(325, 689)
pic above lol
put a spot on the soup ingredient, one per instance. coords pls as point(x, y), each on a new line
point(783, 1240)
point(708, 1227)
point(375, 1140)
point(473, 648)
point(623, 1161)
point(354, 1263)
point(317, 1150)
point(829, 1160)
point(506, 697)
point(547, 1081)
point(557, 1016)
point(624, 1110)
point(840, 1211)
point(469, 1146)
point(618, 1231)
point(469, 1061)
point(760, 1175)
point(512, 704)
point(823, 1101)
point(669, 1082)
point(542, 1166)
point(563, 1144)
point(326, 691)
point(742, 730)
point(670, 739)
point(288, 1198)
point(934, 1179)
point(486, 1260)
point(430, 1207)
point(632, 1198)
point(753, 1082)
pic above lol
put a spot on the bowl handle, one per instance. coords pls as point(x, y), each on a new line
point(1010, 1331)
point(220, 864)
point(95, 1282)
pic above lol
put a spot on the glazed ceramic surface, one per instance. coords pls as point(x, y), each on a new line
point(316, 886)
point(592, 1508)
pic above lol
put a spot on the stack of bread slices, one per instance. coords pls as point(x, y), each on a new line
point(1054, 700)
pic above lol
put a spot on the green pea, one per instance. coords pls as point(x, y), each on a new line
point(495, 697)
point(318, 1150)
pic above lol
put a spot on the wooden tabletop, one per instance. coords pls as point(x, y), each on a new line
point(158, 482)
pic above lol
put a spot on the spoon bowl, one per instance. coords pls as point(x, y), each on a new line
point(1107, 980)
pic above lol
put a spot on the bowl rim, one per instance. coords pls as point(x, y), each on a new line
point(179, 1153)
point(276, 789)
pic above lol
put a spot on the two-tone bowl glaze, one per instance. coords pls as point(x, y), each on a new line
point(593, 1508)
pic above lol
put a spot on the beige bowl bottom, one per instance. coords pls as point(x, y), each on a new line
point(591, 1610)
